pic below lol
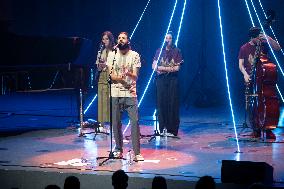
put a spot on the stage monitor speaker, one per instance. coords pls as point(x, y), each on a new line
point(246, 172)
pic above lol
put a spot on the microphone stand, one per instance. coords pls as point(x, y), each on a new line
point(156, 131)
point(82, 124)
point(81, 115)
point(111, 155)
point(97, 130)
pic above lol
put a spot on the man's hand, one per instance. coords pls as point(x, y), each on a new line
point(247, 78)
point(262, 36)
point(126, 72)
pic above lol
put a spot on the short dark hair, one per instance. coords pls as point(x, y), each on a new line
point(254, 32)
point(205, 182)
point(119, 179)
point(52, 186)
point(159, 182)
point(125, 33)
point(71, 182)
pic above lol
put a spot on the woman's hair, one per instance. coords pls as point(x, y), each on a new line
point(110, 37)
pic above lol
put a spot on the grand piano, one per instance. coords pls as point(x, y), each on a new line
point(29, 63)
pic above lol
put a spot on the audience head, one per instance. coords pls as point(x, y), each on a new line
point(205, 182)
point(72, 182)
point(52, 187)
point(159, 182)
point(257, 186)
point(120, 180)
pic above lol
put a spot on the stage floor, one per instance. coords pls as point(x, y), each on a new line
point(38, 136)
point(199, 151)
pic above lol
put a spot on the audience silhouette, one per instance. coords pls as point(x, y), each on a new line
point(52, 186)
point(72, 182)
point(159, 182)
point(257, 186)
point(119, 180)
point(205, 182)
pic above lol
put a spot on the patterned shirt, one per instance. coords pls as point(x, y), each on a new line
point(169, 57)
point(129, 61)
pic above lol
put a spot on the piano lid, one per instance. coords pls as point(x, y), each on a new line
point(16, 50)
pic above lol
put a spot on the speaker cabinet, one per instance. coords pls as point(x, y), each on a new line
point(246, 172)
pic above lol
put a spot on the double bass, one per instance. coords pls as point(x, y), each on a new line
point(264, 108)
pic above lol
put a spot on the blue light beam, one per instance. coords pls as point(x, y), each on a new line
point(180, 23)
point(281, 96)
point(169, 25)
point(130, 38)
point(227, 79)
point(268, 43)
point(147, 86)
point(249, 13)
point(94, 98)
point(266, 38)
point(271, 29)
point(139, 20)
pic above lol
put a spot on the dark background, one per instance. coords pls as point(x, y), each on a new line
point(199, 40)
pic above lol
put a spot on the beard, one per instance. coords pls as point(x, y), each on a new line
point(123, 46)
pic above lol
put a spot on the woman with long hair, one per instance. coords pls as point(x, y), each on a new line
point(107, 43)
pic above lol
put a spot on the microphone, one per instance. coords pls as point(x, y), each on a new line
point(114, 48)
point(101, 47)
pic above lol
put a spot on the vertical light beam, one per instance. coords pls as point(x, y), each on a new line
point(266, 38)
point(180, 23)
point(226, 72)
point(249, 13)
point(271, 29)
point(147, 86)
point(177, 38)
point(141, 16)
point(139, 20)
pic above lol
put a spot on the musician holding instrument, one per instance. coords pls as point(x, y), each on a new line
point(106, 46)
point(123, 65)
point(167, 67)
point(251, 55)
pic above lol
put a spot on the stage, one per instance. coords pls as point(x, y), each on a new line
point(52, 145)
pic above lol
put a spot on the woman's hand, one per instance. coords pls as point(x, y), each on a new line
point(102, 64)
